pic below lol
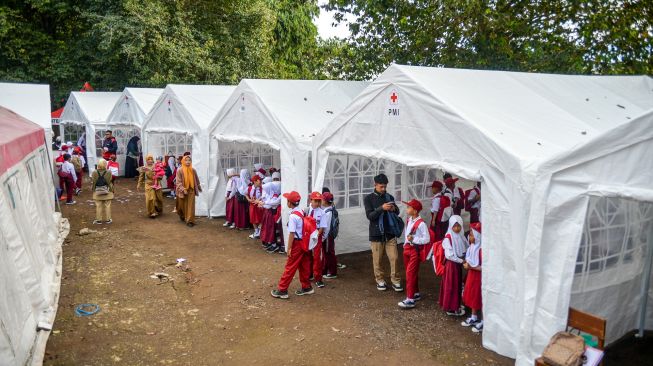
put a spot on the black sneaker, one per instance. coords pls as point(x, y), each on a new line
point(397, 287)
point(381, 286)
point(319, 284)
point(273, 248)
point(418, 297)
point(281, 250)
point(305, 291)
point(406, 304)
point(279, 294)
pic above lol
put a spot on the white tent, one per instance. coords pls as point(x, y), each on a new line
point(21, 99)
point(179, 122)
point(30, 239)
point(273, 122)
point(83, 113)
point(566, 167)
point(127, 116)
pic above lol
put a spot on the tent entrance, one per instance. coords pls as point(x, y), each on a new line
point(72, 132)
point(243, 155)
point(122, 133)
point(613, 265)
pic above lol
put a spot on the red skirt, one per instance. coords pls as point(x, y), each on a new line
point(255, 214)
point(230, 209)
point(472, 293)
point(241, 214)
point(268, 226)
point(451, 286)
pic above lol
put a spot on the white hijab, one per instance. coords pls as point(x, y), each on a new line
point(472, 257)
point(276, 188)
point(267, 180)
point(458, 241)
point(244, 181)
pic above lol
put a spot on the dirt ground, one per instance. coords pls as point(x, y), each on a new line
point(219, 310)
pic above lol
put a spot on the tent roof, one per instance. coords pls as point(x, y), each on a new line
point(144, 97)
point(302, 107)
point(533, 116)
point(142, 101)
point(56, 113)
point(18, 138)
point(89, 107)
point(202, 102)
point(31, 101)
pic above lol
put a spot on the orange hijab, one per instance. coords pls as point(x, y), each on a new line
point(189, 176)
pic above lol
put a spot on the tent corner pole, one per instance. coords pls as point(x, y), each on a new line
point(646, 282)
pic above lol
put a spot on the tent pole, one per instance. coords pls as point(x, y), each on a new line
point(646, 282)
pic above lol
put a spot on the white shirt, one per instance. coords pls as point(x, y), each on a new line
point(316, 213)
point(325, 222)
point(271, 201)
point(435, 203)
point(296, 223)
point(68, 167)
point(451, 253)
point(473, 195)
point(231, 187)
point(456, 196)
point(421, 235)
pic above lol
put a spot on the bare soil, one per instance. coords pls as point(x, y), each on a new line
point(219, 311)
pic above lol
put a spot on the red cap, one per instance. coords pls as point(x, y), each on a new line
point(255, 178)
point(262, 171)
point(315, 196)
point(64, 147)
point(327, 196)
point(436, 183)
point(476, 226)
point(449, 182)
point(293, 197)
point(417, 205)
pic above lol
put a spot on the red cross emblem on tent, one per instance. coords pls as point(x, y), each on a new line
point(394, 97)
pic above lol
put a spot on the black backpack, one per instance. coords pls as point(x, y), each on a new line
point(335, 222)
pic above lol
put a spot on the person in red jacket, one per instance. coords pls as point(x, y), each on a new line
point(440, 210)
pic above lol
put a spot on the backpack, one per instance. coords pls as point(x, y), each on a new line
point(424, 249)
point(437, 255)
point(335, 222)
point(77, 162)
point(309, 231)
point(460, 204)
point(468, 205)
point(101, 186)
point(395, 223)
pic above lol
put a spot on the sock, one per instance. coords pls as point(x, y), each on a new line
point(474, 317)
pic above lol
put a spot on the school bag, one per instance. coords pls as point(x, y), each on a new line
point(424, 249)
point(460, 204)
point(309, 231)
point(335, 222)
point(101, 186)
point(437, 255)
point(77, 163)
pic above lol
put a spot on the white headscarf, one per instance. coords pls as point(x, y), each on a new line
point(267, 180)
point(276, 188)
point(458, 241)
point(472, 257)
point(244, 181)
point(231, 172)
point(258, 166)
point(276, 175)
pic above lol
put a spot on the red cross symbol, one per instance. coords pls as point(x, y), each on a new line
point(394, 98)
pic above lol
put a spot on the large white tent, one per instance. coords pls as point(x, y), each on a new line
point(31, 101)
point(30, 239)
point(179, 122)
point(273, 122)
point(127, 116)
point(565, 163)
point(83, 113)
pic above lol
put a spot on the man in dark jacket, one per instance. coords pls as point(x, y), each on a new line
point(377, 204)
point(109, 145)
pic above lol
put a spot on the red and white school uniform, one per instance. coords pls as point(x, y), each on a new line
point(475, 212)
point(317, 259)
point(230, 195)
point(455, 246)
point(271, 199)
point(114, 168)
point(255, 212)
point(241, 208)
point(458, 196)
point(441, 209)
point(474, 257)
point(420, 232)
point(299, 258)
point(328, 245)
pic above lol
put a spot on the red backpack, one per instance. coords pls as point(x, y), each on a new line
point(438, 257)
point(424, 249)
point(309, 227)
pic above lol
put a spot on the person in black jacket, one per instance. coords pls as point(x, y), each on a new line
point(377, 204)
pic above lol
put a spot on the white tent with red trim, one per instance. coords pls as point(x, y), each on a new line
point(22, 99)
point(31, 233)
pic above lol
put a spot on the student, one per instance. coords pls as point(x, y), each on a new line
point(457, 194)
point(298, 257)
point(472, 294)
point(70, 177)
point(454, 245)
point(416, 235)
point(241, 210)
point(255, 212)
point(230, 195)
point(317, 260)
point(328, 245)
point(474, 203)
point(77, 162)
point(270, 204)
point(278, 225)
point(440, 210)
point(114, 167)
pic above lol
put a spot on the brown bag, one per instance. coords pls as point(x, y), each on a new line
point(564, 349)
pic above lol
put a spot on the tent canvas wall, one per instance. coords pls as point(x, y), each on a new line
point(31, 101)
point(30, 240)
point(127, 116)
point(83, 113)
point(542, 145)
point(280, 118)
point(179, 122)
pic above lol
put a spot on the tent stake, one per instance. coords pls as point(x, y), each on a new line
point(646, 282)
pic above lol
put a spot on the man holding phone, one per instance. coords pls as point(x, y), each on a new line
point(376, 204)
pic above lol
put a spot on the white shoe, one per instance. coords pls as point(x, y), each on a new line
point(478, 327)
point(226, 224)
point(252, 236)
point(233, 226)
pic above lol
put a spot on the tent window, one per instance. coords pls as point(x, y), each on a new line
point(419, 182)
point(162, 143)
point(239, 155)
point(9, 182)
point(613, 239)
point(29, 165)
point(122, 134)
point(72, 132)
point(351, 178)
